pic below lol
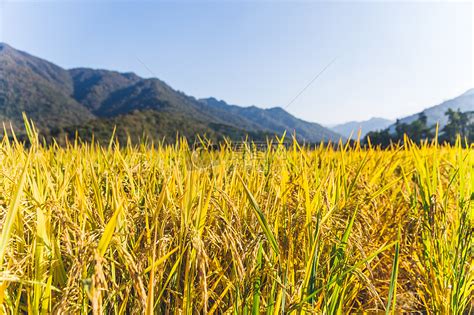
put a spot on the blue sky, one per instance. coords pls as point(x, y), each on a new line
point(392, 58)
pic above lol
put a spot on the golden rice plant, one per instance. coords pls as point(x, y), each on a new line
point(161, 229)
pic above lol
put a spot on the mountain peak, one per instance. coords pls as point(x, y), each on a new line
point(5, 47)
point(352, 127)
point(277, 109)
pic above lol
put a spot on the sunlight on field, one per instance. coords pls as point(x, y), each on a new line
point(288, 229)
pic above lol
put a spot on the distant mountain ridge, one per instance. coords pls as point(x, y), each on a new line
point(436, 114)
point(39, 88)
point(352, 127)
point(275, 119)
point(61, 101)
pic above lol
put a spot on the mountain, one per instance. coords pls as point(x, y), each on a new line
point(93, 87)
point(274, 119)
point(352, 127)
point(435, 114)
point(92, 101)
point(39, 88)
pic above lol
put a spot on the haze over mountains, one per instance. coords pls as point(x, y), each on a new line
point(436, 114)
point(351, 128)
point(90, 101)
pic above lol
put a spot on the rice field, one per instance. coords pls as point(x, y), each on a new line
point(168, 229)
